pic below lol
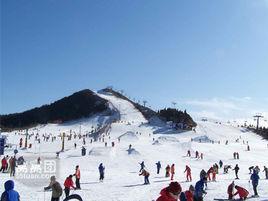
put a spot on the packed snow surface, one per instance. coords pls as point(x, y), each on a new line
point(122, 181)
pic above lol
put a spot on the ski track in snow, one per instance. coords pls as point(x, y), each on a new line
point(122, 182)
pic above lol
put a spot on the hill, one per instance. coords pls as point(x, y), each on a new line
point(80, 104)
point(165, 115)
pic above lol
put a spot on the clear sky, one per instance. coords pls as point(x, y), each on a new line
point(205, 55)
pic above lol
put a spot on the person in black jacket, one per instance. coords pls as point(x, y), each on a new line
point(236, 169)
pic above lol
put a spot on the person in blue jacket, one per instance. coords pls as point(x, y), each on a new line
point(158, 166)
point(199, 190)
point(101, 171)
point(10, 194)
point(255, 181)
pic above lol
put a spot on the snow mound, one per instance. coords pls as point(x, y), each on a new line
point(129, 136)
point(156, 142)
point(133, 152)
point(203, 139)
point(99, 151)
point(167, 139)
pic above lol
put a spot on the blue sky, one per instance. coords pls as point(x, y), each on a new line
point(197, 53)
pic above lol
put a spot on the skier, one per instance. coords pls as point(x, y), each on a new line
point(214, 172)
point(265, 169)
point(234, 154)
point(230, 191)
point(101, 171)
point(12, 165)
point(77, 175)
point(187, 195)
point(172, 171)
point(20, 142)
point(146, 175)
point(199, 190)
point(236, 169)
point(68, 184)
point(196, 154)
point(56, 189)
point(221, 163)
point(142, 166)
point(257, 169)
point(38, 160)
point(216, 167)
point(158, 166)
point(242, 192)
point(255, 181)
point(188, 153)
point(226, 168)
point(167, 171)
point(3, 164)
point(10, 194)
point(204, 176)
point(188, 173)
point(209, 172)
point(237, 155)
point(250, 169)
point(170, 193)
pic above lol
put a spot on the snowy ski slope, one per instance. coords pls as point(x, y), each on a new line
point(122, 182)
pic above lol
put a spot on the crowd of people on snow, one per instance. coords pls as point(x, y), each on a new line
point(172, 192)
point(196, 193)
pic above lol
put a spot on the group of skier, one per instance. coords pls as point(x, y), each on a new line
point(174, 191)
point(69, 184)
point(8, 164)
point(198, 155)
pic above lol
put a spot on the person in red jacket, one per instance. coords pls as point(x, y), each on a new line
point(188, 173)
point(170, 193)
point(230, 191)
point(4, 164)
point(172, 171)
point(187, 195)
point(243, 193)
point(68, 184)
point(190, 193)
